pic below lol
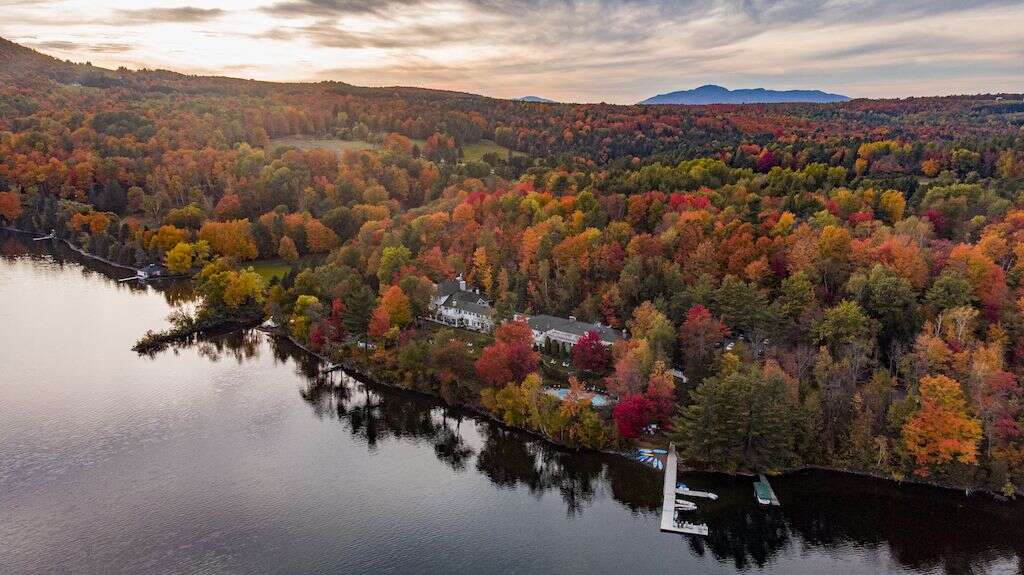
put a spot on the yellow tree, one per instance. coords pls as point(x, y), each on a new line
point(483, 269)
point(179, 258)
point(892, 204)
point(941, 430)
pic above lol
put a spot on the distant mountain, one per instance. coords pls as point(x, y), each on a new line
point(711, 94)
point(536, 99)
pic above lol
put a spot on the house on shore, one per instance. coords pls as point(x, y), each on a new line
point(565, 332)
point(151, 271)
point(456, 304)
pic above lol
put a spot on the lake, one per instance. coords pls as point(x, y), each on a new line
point(232, 456)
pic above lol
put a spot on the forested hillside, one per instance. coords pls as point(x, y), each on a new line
point(843, 284)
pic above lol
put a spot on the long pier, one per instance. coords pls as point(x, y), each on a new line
point(668, 505)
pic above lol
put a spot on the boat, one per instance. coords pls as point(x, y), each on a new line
point(651, 457)
point(683, 489)
point(691, 528)
point(684, 505)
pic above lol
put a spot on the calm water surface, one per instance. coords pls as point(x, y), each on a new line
point(228, 456)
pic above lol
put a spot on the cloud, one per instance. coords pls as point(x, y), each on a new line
point(181, 14)
point(68, 46)
point(610, 50)
point(322, 8)
point(332, 35)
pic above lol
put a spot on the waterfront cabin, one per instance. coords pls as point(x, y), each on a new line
point(151, 271)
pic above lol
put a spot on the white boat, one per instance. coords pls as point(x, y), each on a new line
point(682, 489)
point(691, 528)
point(684, 505)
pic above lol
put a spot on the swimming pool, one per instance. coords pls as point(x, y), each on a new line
point(598, 400)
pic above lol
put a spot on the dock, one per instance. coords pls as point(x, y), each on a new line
point(668, 504)
point(764, 492)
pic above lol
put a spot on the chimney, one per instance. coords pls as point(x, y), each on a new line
point(462, 282)
point(572, 318)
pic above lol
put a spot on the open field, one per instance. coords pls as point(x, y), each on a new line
point(334, 145)
point(271, 268)
point(471, 152)
point(475, 152)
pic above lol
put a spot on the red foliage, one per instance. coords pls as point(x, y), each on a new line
point(700, 332)
point(511, 357)
point(590, 354)
point(937, 219)
point(1000, 402)
point(316, 337)
point(632, 415)
point(380, 323)
point(765, 160)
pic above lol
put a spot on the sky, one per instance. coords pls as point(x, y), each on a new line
point(618, 51)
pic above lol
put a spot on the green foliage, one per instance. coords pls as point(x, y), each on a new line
point(742, 418)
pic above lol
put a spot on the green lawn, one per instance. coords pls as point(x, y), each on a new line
point(333, 145)
point(470, 152)
point(475, 152)
point(271, 268)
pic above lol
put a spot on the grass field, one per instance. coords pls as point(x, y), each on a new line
point(271, 268)
point(333, 145)
point(474, 152)
point(471, 152)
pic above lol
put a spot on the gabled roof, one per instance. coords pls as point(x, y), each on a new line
point(466, 297)
point(542, 323)
point(446, 288)
point(468, 306)
point(581, 328)
point(466, 301)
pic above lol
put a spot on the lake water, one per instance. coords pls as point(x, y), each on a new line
point(228, 456)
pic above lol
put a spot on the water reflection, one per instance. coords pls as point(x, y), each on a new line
point(176, 292)
point(923, 529)
point(826, 520)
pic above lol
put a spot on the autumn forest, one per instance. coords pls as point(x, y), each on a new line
point(837, 285)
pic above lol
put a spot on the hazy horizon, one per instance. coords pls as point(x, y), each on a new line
point(574, 51)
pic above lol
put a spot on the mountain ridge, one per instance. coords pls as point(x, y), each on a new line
point(714, 94)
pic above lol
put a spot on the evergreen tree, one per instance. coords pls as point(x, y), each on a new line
point(739, 419)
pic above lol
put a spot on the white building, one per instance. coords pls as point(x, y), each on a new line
point(455, 304)
point(567, 331)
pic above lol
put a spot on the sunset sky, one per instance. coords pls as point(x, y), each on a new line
point(587, 51)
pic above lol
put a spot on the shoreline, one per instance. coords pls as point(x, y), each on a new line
point(75, 249)
point(352, 371)
point(358, 373)
point(81, 252)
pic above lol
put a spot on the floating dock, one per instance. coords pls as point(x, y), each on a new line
point(668, 504)
point(764, 492)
